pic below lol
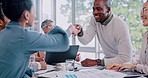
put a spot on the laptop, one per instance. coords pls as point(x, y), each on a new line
point(59, 57)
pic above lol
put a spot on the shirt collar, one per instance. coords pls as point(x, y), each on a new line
point(13, 24)
point(145, 34)
point(108, 20)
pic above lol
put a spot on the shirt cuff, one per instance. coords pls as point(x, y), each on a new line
point(35, 65)
point(139, 68)
point(68, 31)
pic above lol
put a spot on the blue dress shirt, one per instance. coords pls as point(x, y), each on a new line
point(17, 44)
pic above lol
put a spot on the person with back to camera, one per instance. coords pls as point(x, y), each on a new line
point(17, 43)
point(39, 57)
point(3, 21)
point(140, 65)
point(112, 33)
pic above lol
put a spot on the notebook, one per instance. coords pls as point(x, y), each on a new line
point(59, 57)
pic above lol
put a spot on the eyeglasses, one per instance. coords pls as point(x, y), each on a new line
point(144, 10)
point(48, 26)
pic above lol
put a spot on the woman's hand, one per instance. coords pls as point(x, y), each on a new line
point(43, 65)
point(120, 67)
point(38, 59)
point(77, 57)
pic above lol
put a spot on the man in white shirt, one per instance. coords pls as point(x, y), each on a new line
point(112, 33)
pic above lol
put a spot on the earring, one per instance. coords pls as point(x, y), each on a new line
point(27, 21)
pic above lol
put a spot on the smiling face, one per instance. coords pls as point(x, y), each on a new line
point(144, 14)
point(100, 10)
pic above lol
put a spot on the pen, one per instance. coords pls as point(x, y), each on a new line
point(45, 72)
point(131, 76)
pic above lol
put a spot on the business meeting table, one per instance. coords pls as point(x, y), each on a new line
point(59, 71)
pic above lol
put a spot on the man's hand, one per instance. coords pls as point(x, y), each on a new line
point(75, 29)
point(79, 28)
point(89, 62)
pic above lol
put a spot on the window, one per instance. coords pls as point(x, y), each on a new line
point(83, 15)
point(130, 12)
point(47, 9)
point(64, 14)
point(36, 25)
point(73, 11)
point(76, 12)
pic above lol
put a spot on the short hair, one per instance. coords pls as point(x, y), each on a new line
point(108, 3)
point(13, 9)
point(45, 22)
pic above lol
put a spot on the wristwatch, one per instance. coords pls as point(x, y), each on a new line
point(100, 62)
point(80, 34)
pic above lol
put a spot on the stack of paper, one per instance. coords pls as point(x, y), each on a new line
point(94, 73)
point(85, 73)
point(49, 68)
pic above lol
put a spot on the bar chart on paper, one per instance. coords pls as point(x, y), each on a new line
point(91, 74)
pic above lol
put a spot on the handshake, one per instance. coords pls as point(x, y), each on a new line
point(76, 30)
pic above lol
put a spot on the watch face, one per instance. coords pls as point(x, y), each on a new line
point(98, 60)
